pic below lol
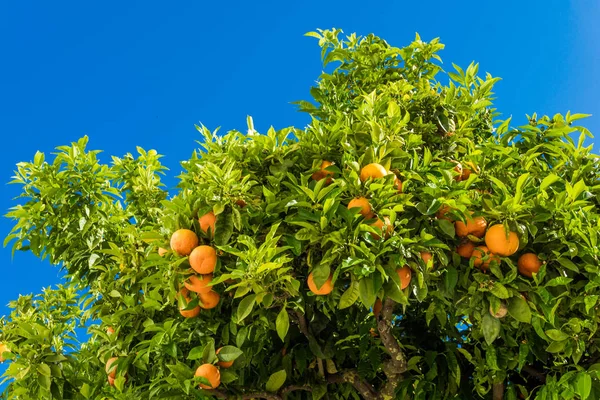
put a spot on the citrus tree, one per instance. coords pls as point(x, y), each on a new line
point(404, 245)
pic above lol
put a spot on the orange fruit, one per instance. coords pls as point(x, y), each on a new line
point(377, 307)
point(398, 183)
point(193, 313)
point(198, 283)
point(207, 223)
point(497, 241)
point(322, 173)
point(479, 253)
point(111, 381)
point(379, 224)
point(209, 299)
point(474, 226)
point(528, 264)
point(501, 313)
point(210, 373)
point(110, 370)
point(323, 290)
point(426, 256)
point(405, 275)
point(459, 170)
point(373, 171)
point(224, 364)
point(3, 349)
point(466, 172)
point(110, 330)
point(183, 241)
point(363, 204)
point(465, 249)
point(441, 214)
point(203, 259)
point(162, 251)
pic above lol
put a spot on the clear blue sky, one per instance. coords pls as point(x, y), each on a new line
point(143, 73)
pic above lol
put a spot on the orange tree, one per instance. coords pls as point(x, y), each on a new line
point(405, 245)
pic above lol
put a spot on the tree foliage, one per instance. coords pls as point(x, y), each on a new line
point(441, 337)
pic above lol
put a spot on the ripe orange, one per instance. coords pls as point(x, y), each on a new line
point(323, 290)
point(110, 370)
point(466, 172)
point(199, 283)
point(441, 214)
point(210, 373)
point(405, 274)
point(209, 299)
point(203, 259)
point(459, 170)
point(377, 307)
point(372, 171)
point(379, 224)
point(498, 243)
point(474, 226)
point(363, 204)
point(183, 241)
point(528, 264)
point(465, 249)
point(224, 364)
point(193, 313)
point(323, 173)
point(398, 183)
point(110, 330)
point(3, 348)
point(162, 251)
point(479, 253)
point(426, 256)
point(207, 223)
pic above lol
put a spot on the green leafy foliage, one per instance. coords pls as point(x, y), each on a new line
point(448, 331)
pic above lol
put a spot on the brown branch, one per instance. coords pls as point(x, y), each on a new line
point(498, 391)
point(259, 395)
point(534, 373)
point(293, 388)
point(302, 325)
point(396, 365)
point(352, 377)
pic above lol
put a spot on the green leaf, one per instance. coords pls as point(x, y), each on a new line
point(491, 328)
point(44, 369)
point(367, 292)
point(224, 229)
point(447, 227)
point(556, 335)
point(208, 353)
point(350, 296)
point(282, 323)
point(519, 309)
point(559, 281)
point(583, 385)
point(276, 381)
point(450, 279)
point(548, 180)
point(500, 291)
point(556, 347)
point(85, 390)
point(318, 391)
point(196, 353)
point(229, 353)
point(245, 307)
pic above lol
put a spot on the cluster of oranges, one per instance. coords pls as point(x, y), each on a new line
point(203, 260)
point(371, 171)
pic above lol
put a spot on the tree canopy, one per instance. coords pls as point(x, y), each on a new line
point(406, 244)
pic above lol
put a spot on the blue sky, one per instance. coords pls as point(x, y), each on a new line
point(143, 73)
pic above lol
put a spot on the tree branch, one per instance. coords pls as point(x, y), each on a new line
point(260, 395)
point(302, 325)
point(534, 373)
point(352, 377)
point(498, 391)
point(293, 388)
